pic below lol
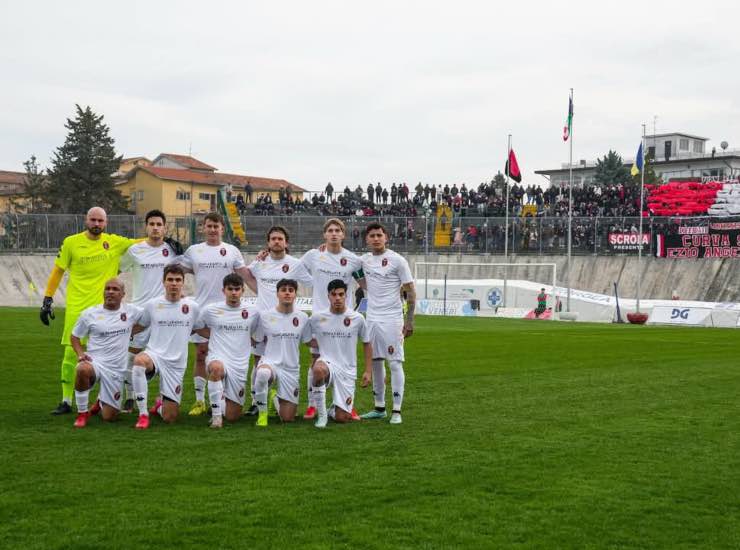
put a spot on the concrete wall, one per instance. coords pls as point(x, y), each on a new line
point(712, 280)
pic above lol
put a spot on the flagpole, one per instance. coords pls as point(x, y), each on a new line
point(506, 228)
point(639, 233)
point(570, 202)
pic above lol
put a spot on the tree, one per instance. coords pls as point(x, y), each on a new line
point(650, 177)
point(611, 170)
point(35, 187)
point(499, 182)
point(82, 169)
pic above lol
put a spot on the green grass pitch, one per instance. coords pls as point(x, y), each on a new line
point(515, 434)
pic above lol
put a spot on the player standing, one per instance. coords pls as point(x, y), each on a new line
point(330, 262)
point(91, 258)
point(210, 262)
point(146, 261)
point(108, 327)
point(387, 274)
point(337, 331)
point(229, 327)
point(284, 329)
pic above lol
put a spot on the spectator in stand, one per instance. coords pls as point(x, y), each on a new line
point(240, 203)
point(394, 193)
point(427, 193)
point(378, 192)
point(329, 191)
point(248, 192)
point(370, 192)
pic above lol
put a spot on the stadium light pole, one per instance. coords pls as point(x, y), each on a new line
point(639, 232)
point(570, 204)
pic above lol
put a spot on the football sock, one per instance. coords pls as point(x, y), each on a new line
point(215, 396)
point(200, 388)
point(379, 383)
point(138, 378)
point(127, 377)
point(309, 384)
point(69, 366)
point(398, 380)
point(261, 381)
point(319, 399)
point(82, 398)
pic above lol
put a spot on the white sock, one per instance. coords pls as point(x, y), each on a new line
point(127, 383)
point(261, 382)
point(398, 380)
point(200, 388)
point(138, 379)
point(82, 398)
point(379, 383)
point(215, 396)
point(309, 385)
point(319, 399)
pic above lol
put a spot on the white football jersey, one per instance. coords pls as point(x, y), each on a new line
point(231, 332)
point(324, 267)
point(284, 332)
point(269, 271)
point(146, 264)
point(210, 264)
point(108, 333)
point(384, 275)
point(171, 324)
point(337, 336)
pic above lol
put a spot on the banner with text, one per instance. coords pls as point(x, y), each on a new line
point(716, 240)
point(628, 242)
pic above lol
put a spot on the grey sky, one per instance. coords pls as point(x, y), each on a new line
point(354, 92)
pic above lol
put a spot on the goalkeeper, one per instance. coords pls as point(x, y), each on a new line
point(91, 258)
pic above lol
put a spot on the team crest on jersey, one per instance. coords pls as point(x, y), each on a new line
point(286, 267)
point(177, 389)
point(106, 245)
point(343, 261)
point(123, 317)
point(384, 262)
point(295, 321)
point(222, 252)
point(295, 392)
point(117, 395)
point(185, 309)
point(347, 321)
point(391, 350)
point(348, 401)
point(165, 252)
point(245, 314)
point(241, 392)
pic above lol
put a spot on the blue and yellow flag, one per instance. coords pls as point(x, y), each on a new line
point(637, 166)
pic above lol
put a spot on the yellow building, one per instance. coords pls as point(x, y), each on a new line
point(181, 185)
point(11, 192)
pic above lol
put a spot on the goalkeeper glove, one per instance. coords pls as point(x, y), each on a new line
point(46, 311)
point(176, 246)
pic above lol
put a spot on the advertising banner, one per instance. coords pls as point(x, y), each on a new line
point(627, 242)
point(719, 239)
point(679, 315)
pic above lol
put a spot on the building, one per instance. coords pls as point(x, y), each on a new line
point(675, 155)
point(181, 185)
point(11, 192)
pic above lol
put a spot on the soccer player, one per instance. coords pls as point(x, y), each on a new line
point(337, 331)
point(146, 261)
point(210, 262)
point(284, 328)
point(325, 264)
point(387, 274)
point(229, 327)
point(171, 318)
point(262, 276)
point(91, 258)
point(108, 327)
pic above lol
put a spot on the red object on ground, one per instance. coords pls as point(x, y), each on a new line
point(637, 318)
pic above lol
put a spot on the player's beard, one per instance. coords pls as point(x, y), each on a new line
point(95, 230)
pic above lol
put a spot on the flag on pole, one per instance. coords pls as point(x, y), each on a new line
point(512, 167)
point(569, 122)
point(637, 166)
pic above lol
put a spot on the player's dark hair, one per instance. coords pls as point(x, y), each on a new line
point(279, 229)
point(155, 214)
point(214, 217)
point(335, 284)
point(233, 279)
point(173, 268)
point(287, 282)
point(375, 225)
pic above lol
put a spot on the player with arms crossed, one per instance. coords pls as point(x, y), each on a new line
point(108, 327)
point(171, 319)
point(91, 258)
point(210, 262)
point(229, 327)
point(146, 262)
point(337, 330)
point(284, 329)
point(387, 274)
point(262, 277)
point(329, 262)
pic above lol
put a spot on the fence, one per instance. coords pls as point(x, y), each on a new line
point(533, 236)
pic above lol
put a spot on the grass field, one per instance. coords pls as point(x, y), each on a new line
point(515, 434)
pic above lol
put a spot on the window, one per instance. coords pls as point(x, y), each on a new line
point(205, 196)
point(698, 146)
point(183, 195)
point(651, 152)
point(683, 144)
point(141, 196)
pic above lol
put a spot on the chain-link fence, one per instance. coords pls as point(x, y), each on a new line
point(472, 235)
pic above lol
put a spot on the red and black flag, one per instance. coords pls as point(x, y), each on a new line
point(512, 167)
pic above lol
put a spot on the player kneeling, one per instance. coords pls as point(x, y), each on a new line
point(336, 332)
point(171, 319)
point(108, 327)
point(284, 328)
point(229, 328)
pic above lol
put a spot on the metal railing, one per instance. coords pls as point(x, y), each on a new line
point(469, 235)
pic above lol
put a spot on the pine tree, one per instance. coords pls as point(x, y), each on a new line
point(650, 177)
point(35, 188)
point(611, 170)
point(82, 169)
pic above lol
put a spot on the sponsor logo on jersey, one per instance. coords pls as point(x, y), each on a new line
point(177, 389)
point(348, 401)
point(343, 261)
point(384, 262)
point(123, 317)
point(391, 350)
point(286, 267)
point(185, 309)
point(245, 314)
point(222, 252)
point(347, 321)
point(295, 321)
point(165, 252)
point(117, 395)
point(106, 245)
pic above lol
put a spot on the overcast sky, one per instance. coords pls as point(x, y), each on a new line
point(353, 92)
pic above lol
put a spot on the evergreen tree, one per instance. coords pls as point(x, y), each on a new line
point(611, 170)
point(82, 169)
point(35, 188)
point(650, 177)
point(499, 182)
